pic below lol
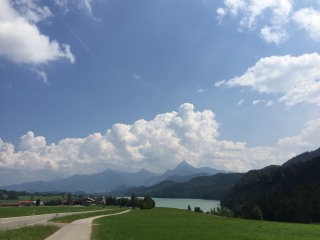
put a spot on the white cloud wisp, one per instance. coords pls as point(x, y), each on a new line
point(274, 12)
point(272, 18)
point(68, 5)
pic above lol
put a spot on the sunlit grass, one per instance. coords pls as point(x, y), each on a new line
point(36, 232)
point(162, 223)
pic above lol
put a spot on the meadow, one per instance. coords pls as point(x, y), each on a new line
point(36, 232)
point(165, 223)
point(35, 210)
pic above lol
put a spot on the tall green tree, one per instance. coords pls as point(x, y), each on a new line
point(69, 201)
point(134, 200)
point(12, 195)
point(1, 195)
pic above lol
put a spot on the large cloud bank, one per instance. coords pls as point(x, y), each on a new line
point(156, 145)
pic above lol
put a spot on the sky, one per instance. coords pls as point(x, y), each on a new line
point(87, 85)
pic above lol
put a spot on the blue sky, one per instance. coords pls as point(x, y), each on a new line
point(93, 84)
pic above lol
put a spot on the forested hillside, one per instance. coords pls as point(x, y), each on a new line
point(207, 187)
point(302, 157)
point(288, 193)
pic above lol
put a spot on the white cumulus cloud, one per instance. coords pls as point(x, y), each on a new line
point(308, 19)
point(20, 38)
point(156, 145)
point(31, 143)
point(295, 79)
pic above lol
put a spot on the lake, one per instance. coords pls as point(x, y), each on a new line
point(182, 203)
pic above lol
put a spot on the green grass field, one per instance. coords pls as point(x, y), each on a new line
point(163, 223)
point(37, 232)
point(27, 211)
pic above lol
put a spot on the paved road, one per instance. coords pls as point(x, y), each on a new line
point(80, 229)
point(17, 222)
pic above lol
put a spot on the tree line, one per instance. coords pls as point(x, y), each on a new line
point(69, 199)
point(134, 202)
point(9, 195)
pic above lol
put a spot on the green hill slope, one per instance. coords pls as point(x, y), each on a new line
point(289, 193)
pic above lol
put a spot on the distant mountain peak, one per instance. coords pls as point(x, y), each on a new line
point(143, 171)
point(183, 164)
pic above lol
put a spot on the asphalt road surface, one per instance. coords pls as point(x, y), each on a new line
point(17, 222)
point(79, 230)
point(23, 221)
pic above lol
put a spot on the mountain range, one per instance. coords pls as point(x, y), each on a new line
point(204, 187)
point(183, 172)
point(290, 192)
point(110, 180)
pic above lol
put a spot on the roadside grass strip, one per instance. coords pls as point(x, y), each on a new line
point(164, 223)
point(28, 211)
point(35, 232)
point(71, 218)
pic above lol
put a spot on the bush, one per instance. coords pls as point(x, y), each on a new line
point(147, 203)
point(198, 209)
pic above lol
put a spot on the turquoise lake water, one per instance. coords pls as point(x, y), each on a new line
point(182, 203)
